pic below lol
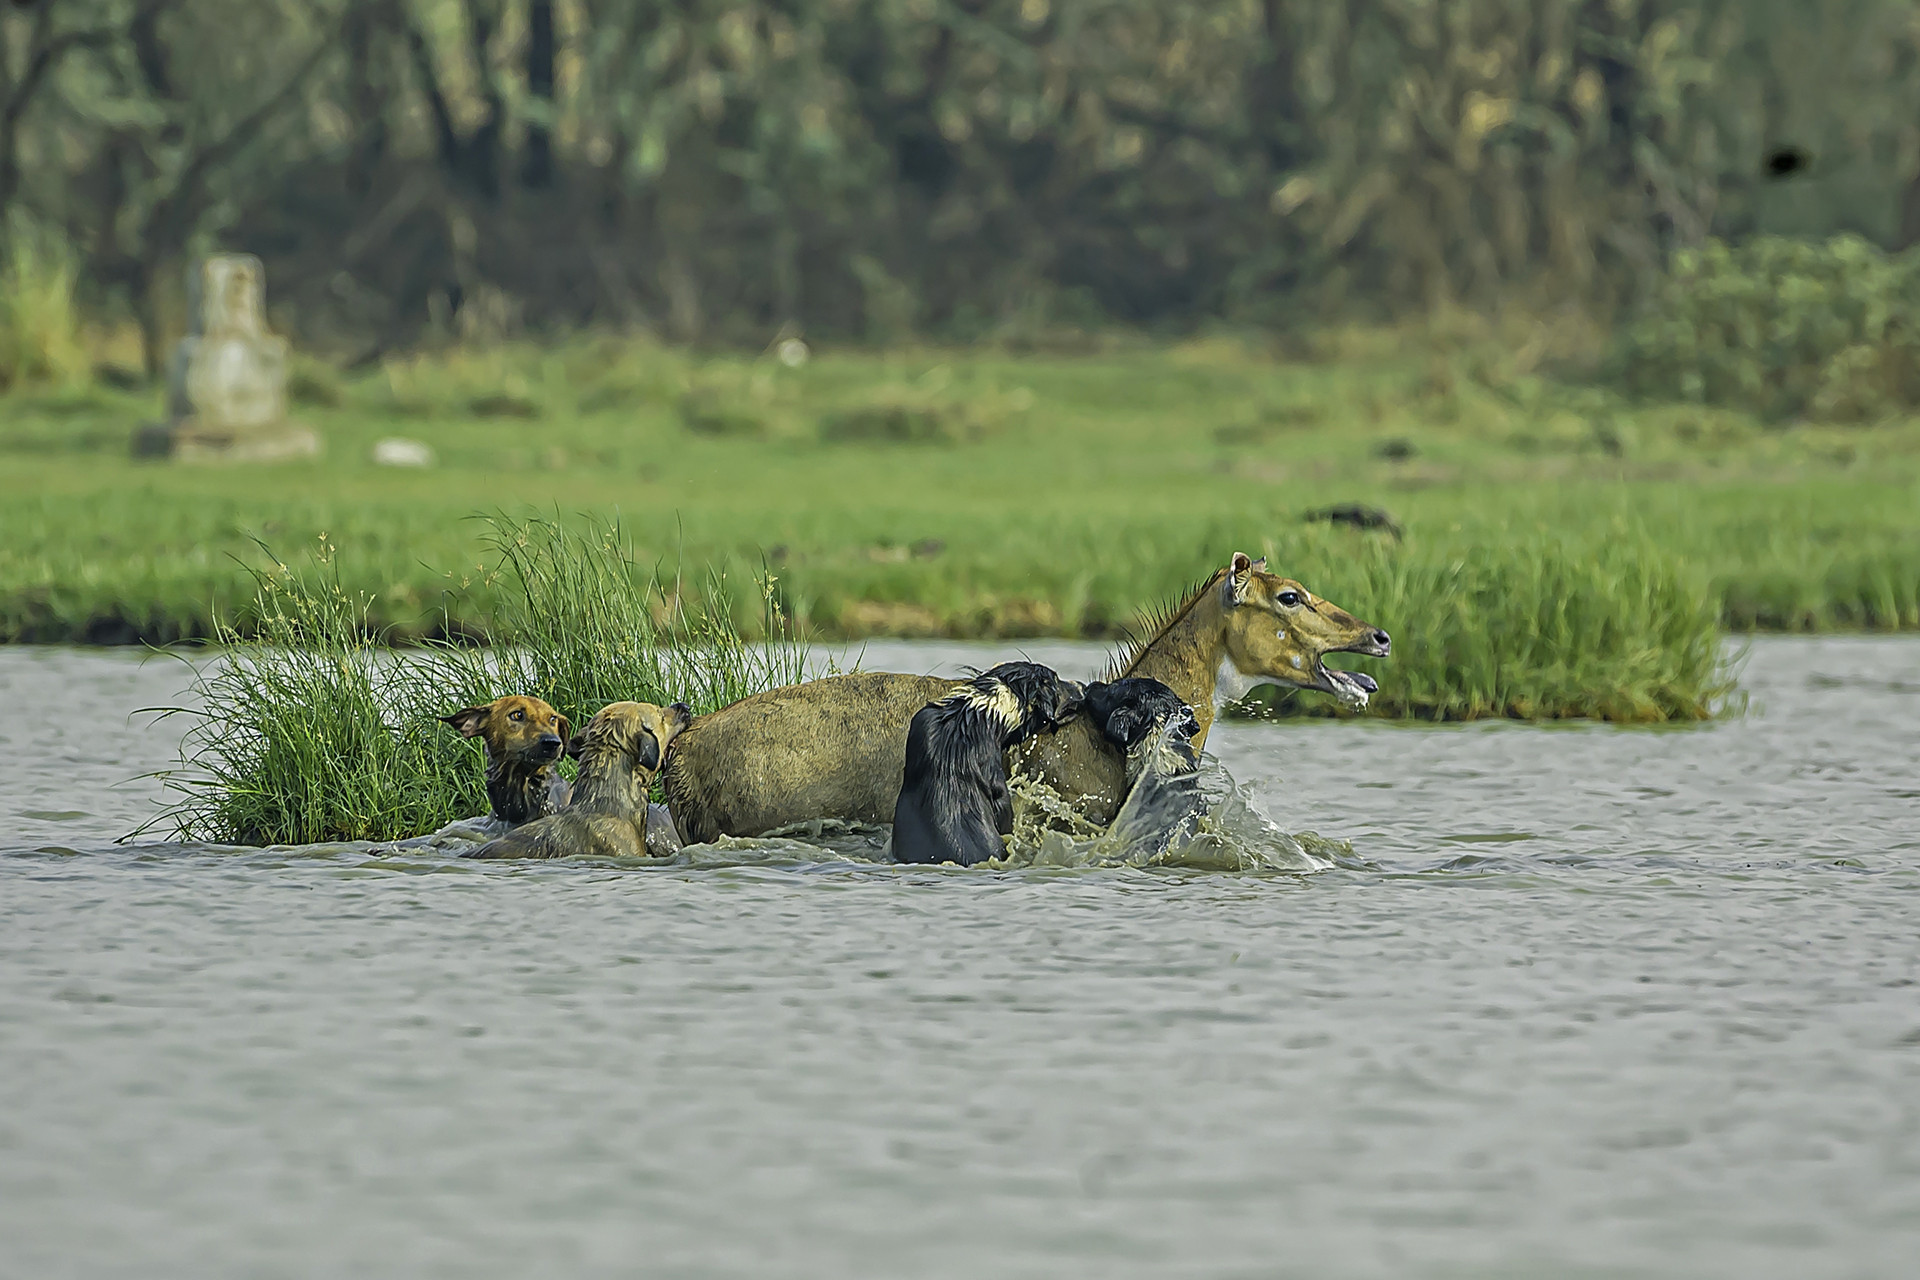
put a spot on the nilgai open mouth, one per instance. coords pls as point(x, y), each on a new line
point(1352, 687)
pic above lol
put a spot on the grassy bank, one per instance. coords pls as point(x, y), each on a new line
point(999, 494)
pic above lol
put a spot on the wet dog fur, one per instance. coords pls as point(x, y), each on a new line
point(1154, 729)
point(620, 750)
point(1130, 714)
point(525, 738)
point(954, 804)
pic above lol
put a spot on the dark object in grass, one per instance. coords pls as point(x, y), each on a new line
point(153, 441)
point(118, 377)
point(1356, 515)
point(895, 423)
point(1395, 450)
point(525, 738)
point(1607, 439)
point(502, 404)
point(706, 413)
point(1271, 422)
point(954, 804)
point(311, 387)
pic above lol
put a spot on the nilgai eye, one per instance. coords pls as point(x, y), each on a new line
point(1289, 598)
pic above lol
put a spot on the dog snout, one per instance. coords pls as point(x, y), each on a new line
point(1383, 642)
point(549, 744)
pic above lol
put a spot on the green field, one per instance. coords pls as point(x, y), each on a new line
point(1565, 551)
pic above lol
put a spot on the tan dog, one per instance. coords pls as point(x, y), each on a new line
point(619, 750)
point(525, 739)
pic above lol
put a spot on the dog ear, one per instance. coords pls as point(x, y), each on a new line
point(468, 720)
point(1123, 726)
point(1239, 575)
point(572, 748)
point(682, 714)
point(649, 750)
point(566, 731)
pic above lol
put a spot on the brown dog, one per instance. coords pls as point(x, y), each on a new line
point(525, 739)
point(619, 750)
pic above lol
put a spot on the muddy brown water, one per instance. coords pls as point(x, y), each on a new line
point(1582, 1001)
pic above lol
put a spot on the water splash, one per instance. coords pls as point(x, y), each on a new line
point(1198, 820)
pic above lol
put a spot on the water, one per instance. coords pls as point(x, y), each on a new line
point(1581, 1002)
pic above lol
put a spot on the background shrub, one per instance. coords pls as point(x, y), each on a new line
point(1783, 328)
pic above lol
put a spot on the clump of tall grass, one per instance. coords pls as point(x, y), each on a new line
point(309, 728)
point(39, 321)
point(1534, 628)
point(581, 624)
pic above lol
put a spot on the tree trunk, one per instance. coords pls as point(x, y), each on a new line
point(537, 171)
point(1273, 108)
point(141, 288)
point(1909, 215)
point(366, 29)
point(482, 148)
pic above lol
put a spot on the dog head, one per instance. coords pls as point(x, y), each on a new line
point(516, 729)
point(1132, 713)
point(1029, 698)
point(638, 731)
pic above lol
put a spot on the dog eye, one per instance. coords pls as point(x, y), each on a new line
point(1288, 598)
point(516, 715)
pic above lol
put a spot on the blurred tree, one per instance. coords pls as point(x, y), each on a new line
point(718, 168)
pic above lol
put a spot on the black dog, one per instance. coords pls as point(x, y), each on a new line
point(1155, 730)
point(954, 805)
point(1130, 714)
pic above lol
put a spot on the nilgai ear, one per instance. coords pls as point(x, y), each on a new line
point(1239, 574)
point(468, 720)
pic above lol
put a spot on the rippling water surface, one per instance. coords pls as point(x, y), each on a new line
point(1581, 1002)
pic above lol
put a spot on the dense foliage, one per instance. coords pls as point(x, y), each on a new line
point(723, 168)
point(1829, 331)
